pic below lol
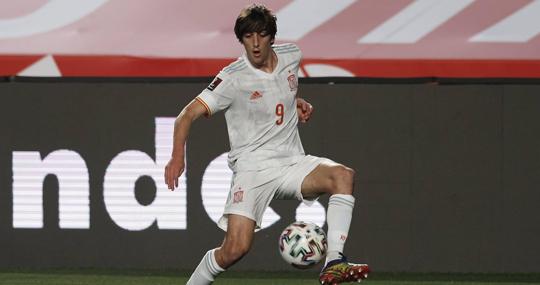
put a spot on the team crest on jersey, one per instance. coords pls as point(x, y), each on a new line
point(238, 196)
point(214, 84)
point(293, 82)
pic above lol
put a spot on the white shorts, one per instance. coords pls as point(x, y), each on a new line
point(252, 191)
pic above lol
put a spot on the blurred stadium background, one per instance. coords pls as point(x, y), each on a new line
point(435, 103)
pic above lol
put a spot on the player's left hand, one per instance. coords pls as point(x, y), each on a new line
point(304, 110)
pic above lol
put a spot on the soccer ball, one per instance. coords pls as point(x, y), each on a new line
point(302, 244)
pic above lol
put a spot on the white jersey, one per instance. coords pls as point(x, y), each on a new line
point(260, 110)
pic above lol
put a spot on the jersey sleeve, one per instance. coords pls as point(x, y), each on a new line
point(291, 53)
point(298, 54)
point(218, 95)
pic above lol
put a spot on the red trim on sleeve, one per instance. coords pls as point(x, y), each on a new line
point(208, 111)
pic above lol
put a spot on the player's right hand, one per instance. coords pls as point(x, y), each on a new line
point(304, 110)
point(173, 170)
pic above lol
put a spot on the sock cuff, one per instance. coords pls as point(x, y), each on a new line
point(342, 200)
point(212, 262)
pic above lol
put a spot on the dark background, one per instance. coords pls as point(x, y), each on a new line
point(447, 174)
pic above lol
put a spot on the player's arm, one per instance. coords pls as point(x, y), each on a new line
point(304, 110)
point(182, 124)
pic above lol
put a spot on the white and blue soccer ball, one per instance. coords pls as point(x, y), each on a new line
point(303, 244)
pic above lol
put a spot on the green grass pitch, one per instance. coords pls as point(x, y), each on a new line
point(133, 277)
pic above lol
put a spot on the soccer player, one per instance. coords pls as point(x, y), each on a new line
point(258, 94)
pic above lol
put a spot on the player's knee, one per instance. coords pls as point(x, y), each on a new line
point(235, 251)
point(345, 175)
point(343, 179)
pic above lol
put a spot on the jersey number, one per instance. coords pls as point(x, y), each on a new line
point(280, 112)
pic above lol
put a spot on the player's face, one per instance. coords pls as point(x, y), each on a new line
point(258, 48)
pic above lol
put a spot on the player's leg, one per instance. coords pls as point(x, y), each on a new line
point(236, 244)
point(313, 176)
point(328, 177)
point(248, 198)
point(338, 181)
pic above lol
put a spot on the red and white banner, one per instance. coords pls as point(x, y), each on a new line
point(365, 38)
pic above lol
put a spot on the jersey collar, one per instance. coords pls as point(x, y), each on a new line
point(260, 72)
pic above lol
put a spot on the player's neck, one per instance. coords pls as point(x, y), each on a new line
point(270, 63)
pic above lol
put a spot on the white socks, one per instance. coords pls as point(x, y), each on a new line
point(206, 270)
point(340, 208)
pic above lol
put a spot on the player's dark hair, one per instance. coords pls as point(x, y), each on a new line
point(255, 19)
